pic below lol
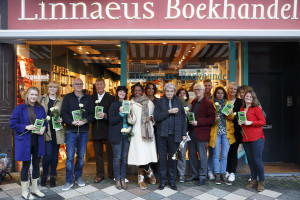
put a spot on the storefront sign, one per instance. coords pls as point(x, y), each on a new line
point(153, 14)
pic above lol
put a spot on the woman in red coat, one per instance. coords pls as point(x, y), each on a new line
point(254, 139)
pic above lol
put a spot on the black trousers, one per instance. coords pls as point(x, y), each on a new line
point(34, 150)
point(166, 148)
point(99, 157)
point(232, 159)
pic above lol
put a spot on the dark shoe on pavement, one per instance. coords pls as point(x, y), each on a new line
point(252, 184)
point(261, 186)
point(124, 185)
point(98, 179)
point(173, 185)
point(218, 179)
point(193, 178)
point(224, 180)
point(52, 181)
point(161, 186)
point(201, 182)
point(43, 181)
point(118, 184)
point(181, 179)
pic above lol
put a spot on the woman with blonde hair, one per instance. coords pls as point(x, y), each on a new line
point(29, 146)
point(53, 137)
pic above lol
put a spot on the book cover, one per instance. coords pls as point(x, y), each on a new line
point(56, 125)
point(191, 116)
point(39, 124)
point(226, 108)
point(242, 116)
point(97, 110)
point(76, 115)
point(126, 106)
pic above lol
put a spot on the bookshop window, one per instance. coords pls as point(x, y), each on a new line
point(182, 63)
point(39, 62)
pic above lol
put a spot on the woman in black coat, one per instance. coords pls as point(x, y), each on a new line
point(232, 159)
point(118, 138)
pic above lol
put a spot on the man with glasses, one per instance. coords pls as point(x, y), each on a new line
point(200, 132)
point(77, 112)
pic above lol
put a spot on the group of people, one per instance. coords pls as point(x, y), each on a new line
point(152, 128)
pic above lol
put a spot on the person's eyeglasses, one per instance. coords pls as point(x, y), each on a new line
point(197, 89)
point(78, 84)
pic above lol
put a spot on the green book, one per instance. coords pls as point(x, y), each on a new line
point(191, 116)
point(97, 110)
point(39, 124)
point(242, 116)
point(226, 108)
point(126, 106)
point(56, 125)
point(76, 115)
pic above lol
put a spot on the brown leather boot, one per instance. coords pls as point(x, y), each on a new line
point(151, 176)
point(118, 184)
point(141, 181)
point(251, 184)
point(124, 185)
point(261, 186)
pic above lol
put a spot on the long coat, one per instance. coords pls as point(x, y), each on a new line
point(141, 151)
point(18, 122)
point(103, 124)
point(60, 134)
point(229, 129)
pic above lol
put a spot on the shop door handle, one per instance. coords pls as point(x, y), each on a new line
point(267, 127)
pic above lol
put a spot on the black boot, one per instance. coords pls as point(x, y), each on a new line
point(52, 181)
point(43, 181)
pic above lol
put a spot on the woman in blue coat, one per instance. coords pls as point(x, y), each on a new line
point(29, 144)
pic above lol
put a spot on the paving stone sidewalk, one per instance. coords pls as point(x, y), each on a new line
point(276, 188)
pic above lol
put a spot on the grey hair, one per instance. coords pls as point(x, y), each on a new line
point(170, 85)
point(198, 85)
point(233, 83)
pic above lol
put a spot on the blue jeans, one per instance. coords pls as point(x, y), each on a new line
point(50, 158)
point(79, 141)
point(120, 152)
point(254, 155)
point(220, 166)
point(210, 163)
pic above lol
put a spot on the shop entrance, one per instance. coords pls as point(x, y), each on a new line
point(269, 90)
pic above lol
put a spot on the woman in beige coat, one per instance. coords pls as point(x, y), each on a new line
point(53, 138)
point(142, 150)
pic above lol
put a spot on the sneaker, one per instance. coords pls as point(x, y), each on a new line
point(224, 180)
point(80, 182)
point(231, 177)
point(181, 179)
point(67, 186)
point(227, 174)
point(218, 179)
point(211, 176)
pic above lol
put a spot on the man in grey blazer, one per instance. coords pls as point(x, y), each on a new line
point(100, 132)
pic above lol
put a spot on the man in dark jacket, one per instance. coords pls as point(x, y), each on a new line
point(100, 132)
point(74, 105)
point(170, 117)
point(200, 133)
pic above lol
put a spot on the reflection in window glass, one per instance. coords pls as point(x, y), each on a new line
point(182, 63)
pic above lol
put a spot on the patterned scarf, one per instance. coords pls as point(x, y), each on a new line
point(146, 128)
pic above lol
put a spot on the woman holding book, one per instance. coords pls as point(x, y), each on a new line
point(142, 150)
point(118, 138)
point(29, 139)
point(254, 139)
point(221, 135)
point(232, 159)
point(55, 136)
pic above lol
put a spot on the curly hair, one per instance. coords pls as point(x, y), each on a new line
point(133, 87)
point(154, 87)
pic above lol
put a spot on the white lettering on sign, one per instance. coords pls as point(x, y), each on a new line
point(175, 9)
